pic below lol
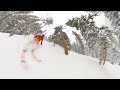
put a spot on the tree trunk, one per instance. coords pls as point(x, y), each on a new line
point(79, 39)
point(105, 55)
point(101, 56)
point(64, 44)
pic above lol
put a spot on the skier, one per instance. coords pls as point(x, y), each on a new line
point(32, 45)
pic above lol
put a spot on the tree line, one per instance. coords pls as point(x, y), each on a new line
point(98, 42)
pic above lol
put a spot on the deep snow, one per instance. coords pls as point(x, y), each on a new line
point(55, 64)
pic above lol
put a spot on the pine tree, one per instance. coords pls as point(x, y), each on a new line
point(47, 21)
point(59, 37)
point(98, 40)
point(80, 43)
point(21, 22)
point(85, 24)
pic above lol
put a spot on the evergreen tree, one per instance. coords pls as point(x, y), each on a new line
point(80, 43)
point(59, 37)
point(21, 22)
point(47, 21)
point(85, 24)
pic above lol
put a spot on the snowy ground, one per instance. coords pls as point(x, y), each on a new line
point(54, 65)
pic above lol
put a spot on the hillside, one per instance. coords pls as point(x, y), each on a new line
point(55, 64)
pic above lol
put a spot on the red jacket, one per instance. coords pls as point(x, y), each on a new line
point(39, 38)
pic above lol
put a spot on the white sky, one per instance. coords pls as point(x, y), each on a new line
point(61, 17)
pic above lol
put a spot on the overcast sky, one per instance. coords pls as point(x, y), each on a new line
point(61, 17)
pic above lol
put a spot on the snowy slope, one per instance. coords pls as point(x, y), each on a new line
point(54, 65)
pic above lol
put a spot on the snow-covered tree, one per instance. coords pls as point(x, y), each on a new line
point(47, 21)
point(86, 25)
point(97, 40)
point(79, 41)
point(21, 22)
point(59, 37)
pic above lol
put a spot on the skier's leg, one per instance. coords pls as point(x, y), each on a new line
point(33, 52)
point(41, 42)
point(23, 60)
point(23, 55)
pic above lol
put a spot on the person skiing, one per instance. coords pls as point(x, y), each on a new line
point(32, 45)
point(39, 38)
